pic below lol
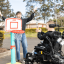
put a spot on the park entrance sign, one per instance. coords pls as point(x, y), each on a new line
point(13, 25)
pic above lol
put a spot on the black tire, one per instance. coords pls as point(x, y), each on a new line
point(28, 62)
point(35, 63)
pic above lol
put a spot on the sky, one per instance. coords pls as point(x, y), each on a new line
point(18, 5)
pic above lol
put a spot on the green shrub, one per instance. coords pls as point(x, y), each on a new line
point(33, 30)
point(30, 30)
point(61, 29)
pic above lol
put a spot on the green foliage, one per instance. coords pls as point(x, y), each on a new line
point(60, 21)
point(33, 30)
point(30, 30)
point(1, 37)
point(42, 12)
point(57, 11)
point(5, 9)
point(61, 29)
point(62, 6)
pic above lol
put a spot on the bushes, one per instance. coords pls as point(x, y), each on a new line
point(33, 30)
point(61, 29)
point(30, 30)
point(1, 37)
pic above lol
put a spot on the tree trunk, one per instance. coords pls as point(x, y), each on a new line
point(44, 19)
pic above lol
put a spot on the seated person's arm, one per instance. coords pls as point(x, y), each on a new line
point(40, 34)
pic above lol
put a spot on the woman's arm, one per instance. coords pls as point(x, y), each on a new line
point(40, 34)
point(2, 16)
point(32, 15)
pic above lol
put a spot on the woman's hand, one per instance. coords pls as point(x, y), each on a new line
point(34, 9)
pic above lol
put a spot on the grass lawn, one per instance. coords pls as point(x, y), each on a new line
point(6, 36)
point(27, 35)
point(31, 34)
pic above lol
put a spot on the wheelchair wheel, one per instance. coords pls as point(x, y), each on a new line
point(28, 60)
point(35, 63)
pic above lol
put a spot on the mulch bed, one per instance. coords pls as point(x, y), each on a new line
point(3, 50)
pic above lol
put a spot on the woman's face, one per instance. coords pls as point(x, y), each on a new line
point(19, 15)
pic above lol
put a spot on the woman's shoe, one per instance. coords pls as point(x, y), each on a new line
point(19, 61)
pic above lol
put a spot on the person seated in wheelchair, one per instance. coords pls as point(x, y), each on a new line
point(40, 33)
point(51, 34)
point(46, 52)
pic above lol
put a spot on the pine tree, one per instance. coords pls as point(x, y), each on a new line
point(48, 8)
point(42, 12)
point(8, 10)
point(2, 5)
point(5, 9)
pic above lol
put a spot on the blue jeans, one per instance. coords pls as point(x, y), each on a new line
point(20, 38)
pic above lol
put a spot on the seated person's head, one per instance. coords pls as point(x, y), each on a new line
point(47, 26)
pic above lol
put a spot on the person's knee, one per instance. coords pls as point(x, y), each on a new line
point(18, 51)
point(24, 47)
